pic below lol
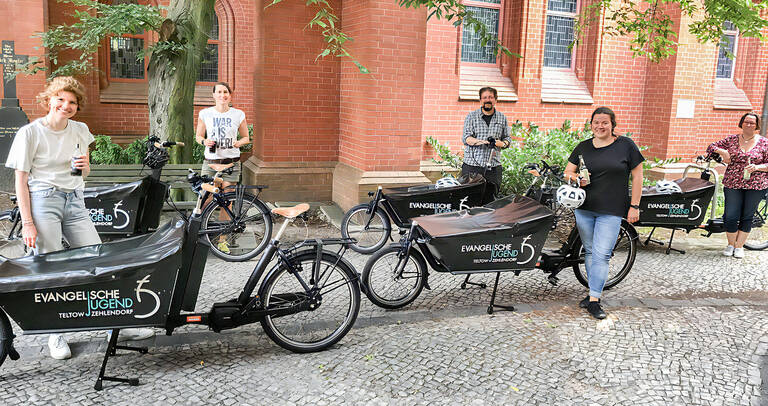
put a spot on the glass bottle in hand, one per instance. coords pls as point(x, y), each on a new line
point(74, 171)
point(583, 172)
point(747, 174)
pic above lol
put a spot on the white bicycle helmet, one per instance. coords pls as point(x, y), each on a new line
point(447, 181)
point(570, 196)
point(668, 187)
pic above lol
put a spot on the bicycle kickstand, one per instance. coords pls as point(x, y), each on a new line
point(111, 350)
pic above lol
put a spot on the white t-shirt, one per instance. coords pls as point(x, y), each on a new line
point(222, 128)
point(47, 154)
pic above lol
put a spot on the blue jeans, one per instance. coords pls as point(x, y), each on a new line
point(598, 234)
point(740, 206)
point(58, 213)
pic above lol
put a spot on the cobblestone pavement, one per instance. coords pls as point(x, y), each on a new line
point(683, 329)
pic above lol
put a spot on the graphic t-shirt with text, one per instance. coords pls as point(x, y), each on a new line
point(222, 128)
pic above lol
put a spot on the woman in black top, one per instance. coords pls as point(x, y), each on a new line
point(610, 159)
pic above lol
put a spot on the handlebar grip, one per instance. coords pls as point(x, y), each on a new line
point(179, 144)
point(209, 188)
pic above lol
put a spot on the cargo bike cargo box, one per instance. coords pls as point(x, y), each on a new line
point(507, 234)
point(681, 210)
point(128, 208)
point(126, 283)
point(420, 200)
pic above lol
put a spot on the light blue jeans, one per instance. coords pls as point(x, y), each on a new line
point(598, 236)
point(58, 213)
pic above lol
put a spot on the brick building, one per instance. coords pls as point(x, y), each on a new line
point(324, 131)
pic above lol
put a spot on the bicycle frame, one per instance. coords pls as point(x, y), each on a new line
point(706, 171)
point(380, 201)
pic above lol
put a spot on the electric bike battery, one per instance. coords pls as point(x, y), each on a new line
point(682, 210)
point(125, 283)
point(507, 234)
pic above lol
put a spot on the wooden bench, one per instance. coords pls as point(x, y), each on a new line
point(173, 174)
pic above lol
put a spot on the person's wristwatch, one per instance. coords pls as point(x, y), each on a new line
point(635, 206)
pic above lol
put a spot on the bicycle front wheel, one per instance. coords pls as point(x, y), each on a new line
point(758, 237)
point(387, 285)
point(332, 313)
point(241, 236)
point(370, 230)
point(622, 259)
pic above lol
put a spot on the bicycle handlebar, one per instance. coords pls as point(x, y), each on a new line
point(209, 188)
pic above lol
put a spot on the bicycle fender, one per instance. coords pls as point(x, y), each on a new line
point(312, 253)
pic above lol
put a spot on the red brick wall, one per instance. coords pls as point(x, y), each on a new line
point(381, 112)
point(325, 110)
point(133, 118)
point(643, 94)
point(297, 100)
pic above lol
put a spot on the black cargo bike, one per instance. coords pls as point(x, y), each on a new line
point(507, 235)
point(307, 301)
point(686, 210)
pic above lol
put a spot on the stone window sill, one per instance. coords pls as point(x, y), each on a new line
point(473, 78)
point(562, 86)
point(729, 97)
point(136, 93)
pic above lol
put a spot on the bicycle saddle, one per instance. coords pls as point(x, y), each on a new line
point(291, 212)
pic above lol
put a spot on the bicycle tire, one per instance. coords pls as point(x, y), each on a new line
point(624, 240)
point(381, 268)
point(281, 287)
point(249, 249)
point(6, 333)
point(758, 237)
point(368, 240)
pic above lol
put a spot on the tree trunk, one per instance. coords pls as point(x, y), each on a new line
point(172, 76)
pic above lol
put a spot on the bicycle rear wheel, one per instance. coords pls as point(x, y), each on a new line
point(335, 312)
point(241, 238)
point(622, 259)
point(758, 237)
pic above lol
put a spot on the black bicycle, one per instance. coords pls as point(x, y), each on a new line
point(235, 222)
point(371, 223)
point(687, 209)
point(505, 235)
point(306, 301)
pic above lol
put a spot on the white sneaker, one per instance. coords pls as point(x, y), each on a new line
point(58, 347)
point(728, 251)
point(738, 253)
point(133, 334)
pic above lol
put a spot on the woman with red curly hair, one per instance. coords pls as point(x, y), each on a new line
point(50, 156)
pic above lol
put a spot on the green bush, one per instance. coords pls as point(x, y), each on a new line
point(136, 150)
point(106, 152)
point(532, 145)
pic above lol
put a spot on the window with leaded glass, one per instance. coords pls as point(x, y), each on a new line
point(124, 51)
point(209, 68)
point(727, 51)
point(561, 17)
point(472, 50)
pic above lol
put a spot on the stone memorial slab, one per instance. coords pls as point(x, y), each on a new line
point(11, 116)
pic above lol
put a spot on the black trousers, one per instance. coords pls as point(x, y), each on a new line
point(492, 179)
